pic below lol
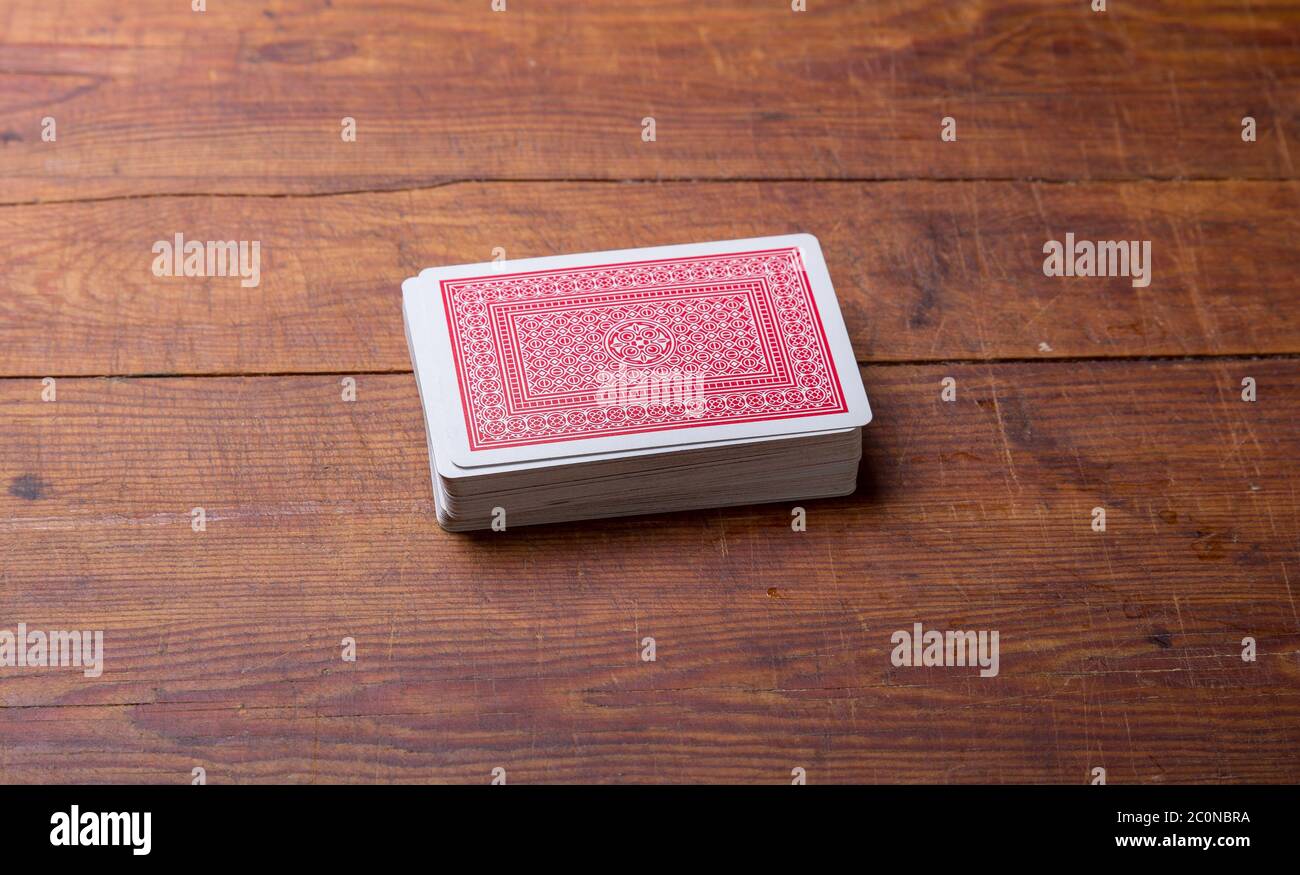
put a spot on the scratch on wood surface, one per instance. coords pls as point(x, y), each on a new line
point(1286, 579)
point(1002, 431)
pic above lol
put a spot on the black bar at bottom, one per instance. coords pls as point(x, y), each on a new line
point(642, 826)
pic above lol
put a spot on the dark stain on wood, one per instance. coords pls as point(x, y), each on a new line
point(1208, 547)
point(28, 487)
point(303, 51)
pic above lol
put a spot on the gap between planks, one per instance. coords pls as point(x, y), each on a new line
point(657, 180)
point(892, 363)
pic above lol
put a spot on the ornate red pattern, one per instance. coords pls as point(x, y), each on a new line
point(529, 347)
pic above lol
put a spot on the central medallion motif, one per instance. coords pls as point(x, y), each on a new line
point(639, 342)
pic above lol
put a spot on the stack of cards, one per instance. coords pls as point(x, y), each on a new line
point(635, 381)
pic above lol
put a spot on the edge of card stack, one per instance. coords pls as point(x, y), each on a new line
point(799, 467)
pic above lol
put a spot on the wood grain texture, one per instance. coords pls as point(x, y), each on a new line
point(924, 271)
point(151, 98)
point(1119, 649)
point(520, 649)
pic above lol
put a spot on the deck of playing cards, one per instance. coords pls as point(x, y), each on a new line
point(635, 381)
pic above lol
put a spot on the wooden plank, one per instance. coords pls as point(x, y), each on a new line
point(1119, 649)
point(149, 97)
point(924, 271)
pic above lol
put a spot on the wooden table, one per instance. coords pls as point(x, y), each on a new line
point(1120, 650)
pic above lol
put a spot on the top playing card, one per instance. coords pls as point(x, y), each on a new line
point(639, 348)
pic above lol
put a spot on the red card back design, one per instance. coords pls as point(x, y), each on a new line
point(533, 350)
